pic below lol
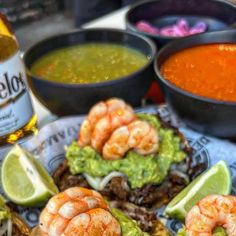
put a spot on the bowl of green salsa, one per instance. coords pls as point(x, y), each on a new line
point(70, 72)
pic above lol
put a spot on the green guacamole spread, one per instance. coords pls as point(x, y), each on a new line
point(139, 169)
point(128, 226)
point(4, 211)
point(219, 231)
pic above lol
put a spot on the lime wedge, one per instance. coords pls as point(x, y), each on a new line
point(216, 180)
point(24, 180)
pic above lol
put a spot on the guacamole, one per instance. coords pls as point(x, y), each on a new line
point(140, 170)
point(219, 231)
point(128, 226)
point(4, 211)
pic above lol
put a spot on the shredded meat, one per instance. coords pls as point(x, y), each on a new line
point(118, 188)
point(141, 215)
point(16, 231)
point(19, 226)
point(64, 179)
point(145, 219)
point(195, 170)
point(149, 195)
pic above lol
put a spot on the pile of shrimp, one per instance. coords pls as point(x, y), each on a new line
point(112, 128)
point(78, 212)
point(210, 212)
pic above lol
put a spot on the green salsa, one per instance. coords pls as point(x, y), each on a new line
point(129, 227)
point(88, 63)
point(139, 169)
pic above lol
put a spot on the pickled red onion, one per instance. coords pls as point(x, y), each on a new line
point(180, 29)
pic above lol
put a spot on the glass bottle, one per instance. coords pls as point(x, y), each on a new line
point(17, 117)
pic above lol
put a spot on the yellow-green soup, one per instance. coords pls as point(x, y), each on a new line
point(88, 63)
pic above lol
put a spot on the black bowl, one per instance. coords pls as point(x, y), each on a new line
point(218, 14)
point(206, 115)
point(69, 99)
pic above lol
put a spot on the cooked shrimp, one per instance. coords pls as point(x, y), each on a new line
point(138, 135)
point(78, 211)
point(149, 144)
point(105, 126)
point(98, 111)
point(210, 212)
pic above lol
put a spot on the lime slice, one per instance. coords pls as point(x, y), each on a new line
point(216, 180)
point(24, 179)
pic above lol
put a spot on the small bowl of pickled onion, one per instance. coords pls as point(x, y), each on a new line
point(166, 20)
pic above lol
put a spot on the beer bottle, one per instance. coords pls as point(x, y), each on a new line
point(17, 117)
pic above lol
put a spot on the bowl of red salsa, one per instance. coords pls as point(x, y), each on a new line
point(198, 77)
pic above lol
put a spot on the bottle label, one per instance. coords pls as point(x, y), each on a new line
point(15, 103)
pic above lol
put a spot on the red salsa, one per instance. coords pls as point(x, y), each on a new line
point(207, 70)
